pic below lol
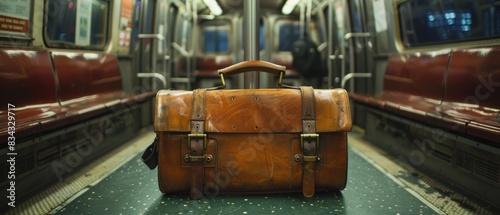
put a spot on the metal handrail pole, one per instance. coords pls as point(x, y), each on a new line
point(251, 31)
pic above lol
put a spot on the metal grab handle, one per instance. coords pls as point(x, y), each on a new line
point(352, 35)
point(181, 50)
point(354, 75)
point(251, 66)
point(151, 36)
point(154, 75)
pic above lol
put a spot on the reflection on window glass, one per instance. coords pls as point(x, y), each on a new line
point(438, 21)
point(183, 36)
point(135, 31)
point(261, 37)
point(216, 37)
point(76, 23)
point(288, 34)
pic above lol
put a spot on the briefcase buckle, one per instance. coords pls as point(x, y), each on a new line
point(197, 136)
point(306, 137)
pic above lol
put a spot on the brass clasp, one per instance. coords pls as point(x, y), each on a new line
point(197, 136)
point(304, 137)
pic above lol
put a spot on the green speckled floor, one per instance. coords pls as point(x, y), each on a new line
point(133, 189)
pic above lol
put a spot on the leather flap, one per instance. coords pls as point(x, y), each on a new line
point(252, 111)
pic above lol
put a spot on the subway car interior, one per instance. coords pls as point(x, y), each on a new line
point(79, 81)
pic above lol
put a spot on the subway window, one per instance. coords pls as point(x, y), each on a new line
point(288, 33)
point(439, 21)
point(216, 37)
point(77, 23)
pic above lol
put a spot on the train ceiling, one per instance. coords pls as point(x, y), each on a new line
point(231, 5)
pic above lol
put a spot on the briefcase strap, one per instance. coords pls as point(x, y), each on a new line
point(150, 155)
point(309, 140)
point(197, 143)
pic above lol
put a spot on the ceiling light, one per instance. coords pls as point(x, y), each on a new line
point(213, 7)
point(289, 6)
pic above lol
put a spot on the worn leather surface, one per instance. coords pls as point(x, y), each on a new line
point(252, 111)
point(253, 137)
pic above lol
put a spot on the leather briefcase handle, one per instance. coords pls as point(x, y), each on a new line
point(253, 65)
point(249, 66)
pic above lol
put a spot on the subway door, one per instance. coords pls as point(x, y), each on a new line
point(181, 65)
point(159, 55)
point(335, 23)
point(142, 51)
point(170, 53)
point(358, 55)
point(122, 32)
point(380, 25)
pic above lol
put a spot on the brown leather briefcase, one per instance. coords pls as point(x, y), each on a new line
point(213, 141)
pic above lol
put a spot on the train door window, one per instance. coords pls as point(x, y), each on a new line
point(161, 25)
point(171, 18)
point(216, 37)
point(76, 23)
point(340, 23)
point(183, 36)
point(127, 9)
point(136, 17)
point(288, 33)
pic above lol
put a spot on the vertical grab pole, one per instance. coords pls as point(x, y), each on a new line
point(251, 32)
point(302, 25)
point(331, 44)
point(308, 16)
